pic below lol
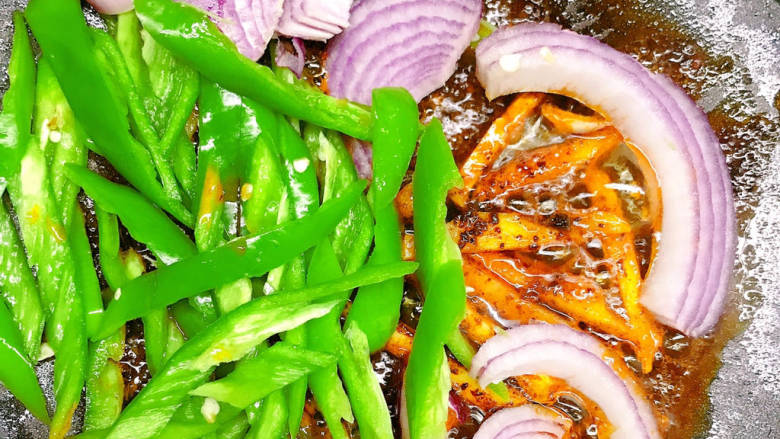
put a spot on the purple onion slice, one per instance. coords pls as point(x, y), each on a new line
point(314, 19)
point(528, 420)
point(390, 36)
point(250, 24)
point(690, 272)
point(562, 352)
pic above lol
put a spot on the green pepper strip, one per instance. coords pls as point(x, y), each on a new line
point(50, 249)
point(364, 391)
point(137, 106)
point(189, 423)
point(16, 116)
point(71, 354)
point(270, 422)
point(105, 385)
point(229, 128)
point(17, 373)
point(262, 195)
point(175, 85)
point(230, 338)
point(169, 90)
point(441, 276)
point(300, 179)
point(88, 92)
point(352, 238)
point(189, 34)
point(249, 256)
point(151, 226)
point(18, 286)
point(277, 366)
point(62, 139)
point(365, 395)
point(111, 264)
point(325, 384)
point(376, 308)
point(85, 271)
point(45, 238)
point(234, 429)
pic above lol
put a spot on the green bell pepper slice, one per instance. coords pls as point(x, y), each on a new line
point(441, 276)
point(189, 34)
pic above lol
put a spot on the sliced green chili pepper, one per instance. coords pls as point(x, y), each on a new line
point(243, 257)
point(352, 238)
point(272, 369)
point(270, 422)
point(48, 248)
point(17, 373)
point(441, 276)
point(175, 85)
point(190, 35)
point(16, 117)
point(138, 108)
point(18, 286)
point(146, 223)
point(365, 395)
point(234, 429)
point(325, 383)
point(151, 226)
point(229, 128)
point(394, 137)
point(190, 321)
point(189, 421)
point(229, 339)
point(105, 384)
point(85, 271)
point(108, 248)
point(376, 308)
point(71, 354)
point(300, 179)
point(263, 189)
point(88, 92)
point(61, 138)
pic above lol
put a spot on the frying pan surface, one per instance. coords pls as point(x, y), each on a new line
point(738, 84)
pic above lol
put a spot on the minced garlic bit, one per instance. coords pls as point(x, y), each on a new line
point(210, 410)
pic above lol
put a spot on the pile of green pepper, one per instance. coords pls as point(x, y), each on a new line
point(260, 235)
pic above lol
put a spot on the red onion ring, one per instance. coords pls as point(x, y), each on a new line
point(249, 24)
point(662, 126)
point(314, 20)
point(393, 35)
point(559, 351)
point(528, 420)
point(294, 59)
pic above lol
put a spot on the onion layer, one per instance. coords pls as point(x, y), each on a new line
point(688, 278)
point(414, 44)
point(250, 24)
point(528, 420)
point(314, 19)
point(293, 58)
point(559, 351)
